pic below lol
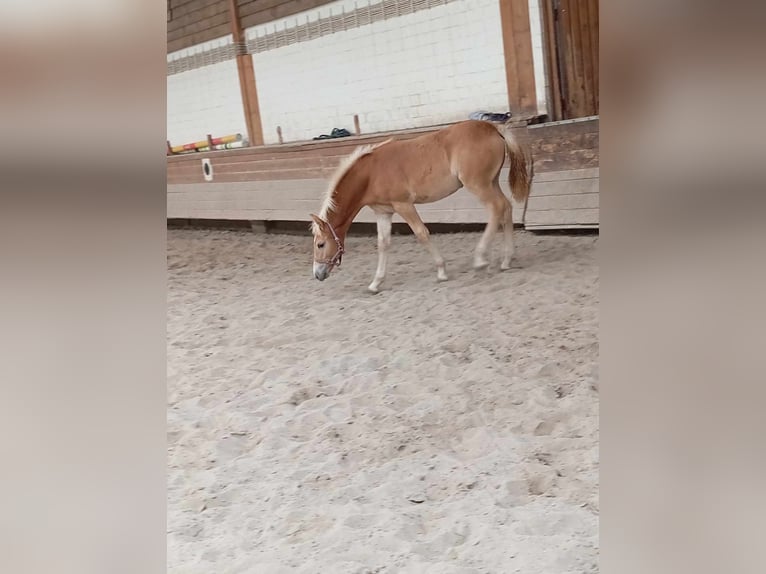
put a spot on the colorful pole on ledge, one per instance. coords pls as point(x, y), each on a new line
point(209, 143)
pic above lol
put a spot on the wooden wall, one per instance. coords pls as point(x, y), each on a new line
point(571, 48)
point(254, 12)
point(192, 22)
point(287, 182)
point(565, 193)
point(564, 145)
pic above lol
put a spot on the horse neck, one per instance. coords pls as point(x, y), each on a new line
point(348, 203)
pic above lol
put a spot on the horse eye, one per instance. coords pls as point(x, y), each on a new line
point(320, 245)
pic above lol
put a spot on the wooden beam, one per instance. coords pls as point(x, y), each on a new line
point(246, 73)
point(517, 48)
point(555, 111)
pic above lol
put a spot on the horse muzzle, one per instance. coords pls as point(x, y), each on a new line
point(321, 271)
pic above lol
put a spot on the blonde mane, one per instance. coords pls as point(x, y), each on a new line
point(328, 203)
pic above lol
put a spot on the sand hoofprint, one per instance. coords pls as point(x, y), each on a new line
point(434, 428)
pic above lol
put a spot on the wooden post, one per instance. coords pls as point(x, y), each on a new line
point(210, 142)
point(517, 48)
point(246, 73)
point(550, 36)
point(356, 124)
point(279, 134)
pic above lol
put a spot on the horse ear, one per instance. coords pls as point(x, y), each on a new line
point(318, 221)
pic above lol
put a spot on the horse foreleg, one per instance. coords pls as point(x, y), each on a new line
point(411, 216)
point(384, 242)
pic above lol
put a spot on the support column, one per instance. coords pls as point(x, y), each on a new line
point(246, 73)
point(519, 64)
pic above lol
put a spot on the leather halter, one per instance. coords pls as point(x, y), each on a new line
point(335, 260)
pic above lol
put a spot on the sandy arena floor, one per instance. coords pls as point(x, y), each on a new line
point(434, 428)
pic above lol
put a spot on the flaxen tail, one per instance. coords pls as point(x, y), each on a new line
point(520, 178)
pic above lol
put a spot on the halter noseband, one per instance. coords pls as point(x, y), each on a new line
point(335, 260)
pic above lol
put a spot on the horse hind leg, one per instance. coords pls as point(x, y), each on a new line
point(508, 246)
point(499, 209)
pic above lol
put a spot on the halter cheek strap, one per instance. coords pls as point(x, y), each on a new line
point(335, 260)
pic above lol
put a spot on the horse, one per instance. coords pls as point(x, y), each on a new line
point(395, 175)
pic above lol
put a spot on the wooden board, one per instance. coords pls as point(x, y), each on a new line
point(562, 217)
point(295, 200)
point(564, 199)
point(300, 160)
point(566, 145)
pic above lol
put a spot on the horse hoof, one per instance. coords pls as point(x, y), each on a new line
point(505, 267)
point(373, 289)
point(479, 265)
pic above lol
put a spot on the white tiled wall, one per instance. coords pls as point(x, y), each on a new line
point(205, 100)
point(430, 67)
point(426, 68)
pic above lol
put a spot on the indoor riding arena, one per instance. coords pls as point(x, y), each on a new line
point(435, 427)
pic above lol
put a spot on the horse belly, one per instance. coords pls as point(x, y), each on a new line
point(436, 189)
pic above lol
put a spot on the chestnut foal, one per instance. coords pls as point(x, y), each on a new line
point(392, 176)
